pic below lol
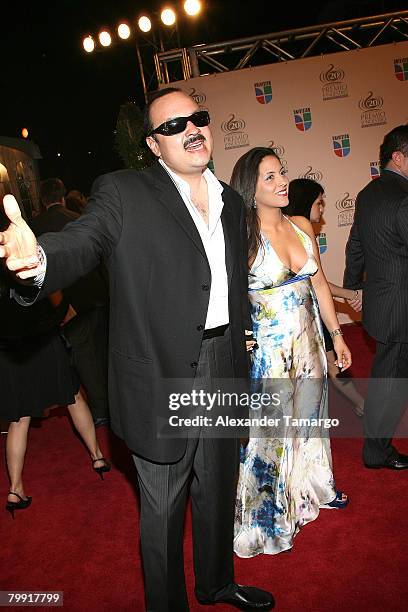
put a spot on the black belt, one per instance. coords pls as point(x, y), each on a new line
point(215, 331)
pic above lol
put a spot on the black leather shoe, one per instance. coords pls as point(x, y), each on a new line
point(395, 462)
point(243, 598)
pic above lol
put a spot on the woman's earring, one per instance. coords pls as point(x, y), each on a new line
point(254, 203)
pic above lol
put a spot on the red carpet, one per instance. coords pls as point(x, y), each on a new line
point(80, 535)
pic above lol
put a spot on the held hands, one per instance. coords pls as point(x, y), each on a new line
point(356, 302)
point(343, 361)
point(250, 343)
point(18, 245)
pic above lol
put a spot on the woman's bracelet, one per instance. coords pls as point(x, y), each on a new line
point(336, 332)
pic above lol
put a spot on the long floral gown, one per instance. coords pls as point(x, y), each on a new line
point(285, 472)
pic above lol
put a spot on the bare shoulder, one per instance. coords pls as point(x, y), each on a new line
point(303, 224)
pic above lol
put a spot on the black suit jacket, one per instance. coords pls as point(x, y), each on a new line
point(88, 292)
point(377, 256)
point(159, 287)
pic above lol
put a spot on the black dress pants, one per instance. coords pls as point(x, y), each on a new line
point(386, 401)
point(209, 471)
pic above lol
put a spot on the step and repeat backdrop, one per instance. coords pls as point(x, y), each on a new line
point(325, 116)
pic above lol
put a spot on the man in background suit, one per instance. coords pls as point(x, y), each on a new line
point(174, 239)
point(378, 248)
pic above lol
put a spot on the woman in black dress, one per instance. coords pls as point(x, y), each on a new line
point(36, 373)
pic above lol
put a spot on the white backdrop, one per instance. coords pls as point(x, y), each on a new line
point(326, 117)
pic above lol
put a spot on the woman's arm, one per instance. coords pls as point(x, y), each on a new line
point(353, 296)
point(324, 298)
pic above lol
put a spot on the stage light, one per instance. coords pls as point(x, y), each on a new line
point(105, 38)
point(192, 7)
point(24, 133)
point(168, 16)
point(124, 31)
point(144, 24)
point(88, 44)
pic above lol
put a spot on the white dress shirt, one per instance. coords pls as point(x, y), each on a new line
point(212, 237)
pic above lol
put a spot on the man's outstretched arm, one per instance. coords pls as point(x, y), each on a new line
point(71, 253)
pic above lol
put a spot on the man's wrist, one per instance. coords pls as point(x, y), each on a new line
point(38, 280)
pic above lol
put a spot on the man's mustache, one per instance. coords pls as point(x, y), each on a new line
point(192, 139)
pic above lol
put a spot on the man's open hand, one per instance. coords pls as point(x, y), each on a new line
point(18, 244)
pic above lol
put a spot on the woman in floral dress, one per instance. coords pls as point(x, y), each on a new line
point(286, 469)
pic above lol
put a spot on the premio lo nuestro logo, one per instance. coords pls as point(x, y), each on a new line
point(198, 96)
point(279, 149)
point(314, 175)
point(303, 119)
point(263, 92)
point(341, 145)
point(235, 136)
point(345, 206)
point(401, 69)
point(321, 240)
point(280, 152)
point(374, 169)
point(373, 113)
point(333, 85)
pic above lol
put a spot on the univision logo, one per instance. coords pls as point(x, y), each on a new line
point(401, 69)
point(314, 175)
point(233, 125)
point(374, 169)
point(372, 114)
point(333, 86)
point(197, 96)
point(321, 240)
point(234, 137)
point(341, 145)
point(332, 75)
point(303, 118)
point(263, 92)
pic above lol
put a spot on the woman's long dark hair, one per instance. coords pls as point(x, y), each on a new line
point(302, 193)
point(244, 179)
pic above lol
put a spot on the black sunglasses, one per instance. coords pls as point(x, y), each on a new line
point(179, 124)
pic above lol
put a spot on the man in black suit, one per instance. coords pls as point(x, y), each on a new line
point(378, 249)
point(174, 239)
point(86, 326)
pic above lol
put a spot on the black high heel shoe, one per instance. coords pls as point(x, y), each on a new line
point(20, 505)
point(103, 468)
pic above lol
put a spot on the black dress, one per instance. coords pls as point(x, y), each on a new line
point(328, 342)
point(35, 367)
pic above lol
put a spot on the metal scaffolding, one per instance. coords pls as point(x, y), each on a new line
point(185, 63)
